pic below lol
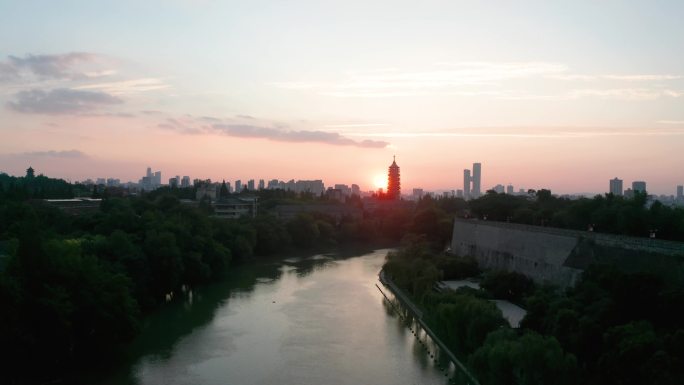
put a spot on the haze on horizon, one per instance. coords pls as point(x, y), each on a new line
point(562, 95)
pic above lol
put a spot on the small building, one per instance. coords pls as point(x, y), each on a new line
point(338, 212)
point(232, 208)
point(75, 206)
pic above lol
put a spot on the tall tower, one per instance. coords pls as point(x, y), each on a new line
point(477, 179)
point(393, 181)
point(466, 184)
point(616, 187)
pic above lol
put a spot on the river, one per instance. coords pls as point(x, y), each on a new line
point(314, 320)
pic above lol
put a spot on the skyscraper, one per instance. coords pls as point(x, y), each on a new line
point(639, 186)
point(616, 186)
point(393, 181)
point(477, 179)
point(680, 192)
point(466, 184)
point(262, 184)
point(250, 185)
point(238, 186)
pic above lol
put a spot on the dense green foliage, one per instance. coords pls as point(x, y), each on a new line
point(508, 358)
point(37, 187)
point(623, 328)
point(611, 328)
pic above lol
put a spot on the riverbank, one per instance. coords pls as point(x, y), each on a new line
point(418, 317)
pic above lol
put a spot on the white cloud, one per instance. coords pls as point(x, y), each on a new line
point(443, 77)
point(634, 94)
point(527, 132)
point(127, 86)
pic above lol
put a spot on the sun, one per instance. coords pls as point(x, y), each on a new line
point(380, 181)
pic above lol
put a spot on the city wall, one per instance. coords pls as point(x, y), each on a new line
point(559, 256)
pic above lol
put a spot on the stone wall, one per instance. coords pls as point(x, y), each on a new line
point(559, 256)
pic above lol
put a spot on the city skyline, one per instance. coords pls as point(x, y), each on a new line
point(332, 91)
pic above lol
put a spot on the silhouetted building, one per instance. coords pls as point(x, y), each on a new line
point(346, 191)
point(356, 190)
point(616, 186)
point(30, 173)
point(238, 186)
point(334, 194)
point(477, 179)
point(250, 185)
point(509, 189)
point(394, 181)
point(466, 184)
point(639, 186)
point(680, 192)
point(185, 182)
point(262, 184)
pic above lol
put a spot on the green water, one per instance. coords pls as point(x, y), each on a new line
point(315, 320)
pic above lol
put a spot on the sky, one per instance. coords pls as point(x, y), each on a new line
point(562, 95)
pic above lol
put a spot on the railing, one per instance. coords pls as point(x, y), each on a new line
point(418, 316)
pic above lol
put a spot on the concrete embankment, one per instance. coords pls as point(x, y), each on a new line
point(559, 256)
point(418, 317)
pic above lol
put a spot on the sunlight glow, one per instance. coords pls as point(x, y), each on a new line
point(380, 181)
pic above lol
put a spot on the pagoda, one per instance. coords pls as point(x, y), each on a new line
point(393, 181)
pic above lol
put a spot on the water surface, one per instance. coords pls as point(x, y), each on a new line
point(315, 320)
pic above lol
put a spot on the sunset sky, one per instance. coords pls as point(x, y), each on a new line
point(563, 95)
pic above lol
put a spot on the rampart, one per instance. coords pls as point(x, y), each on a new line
point(559, 256)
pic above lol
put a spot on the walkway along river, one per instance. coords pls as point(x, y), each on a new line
point(414, 318)
point(315, 320)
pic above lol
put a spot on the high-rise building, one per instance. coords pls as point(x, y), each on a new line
point(393, 181)
point(616, 186)
point(238, 186)
point(680, 192)
point(466, 184)
point(250, 185)
point(185, 182)
point(477, 179)
point(509, 189)
point(639, 186)
point(157, 179)
point(356, 190)
point(262, 184)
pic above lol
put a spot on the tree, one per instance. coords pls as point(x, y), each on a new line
point(530, 359)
